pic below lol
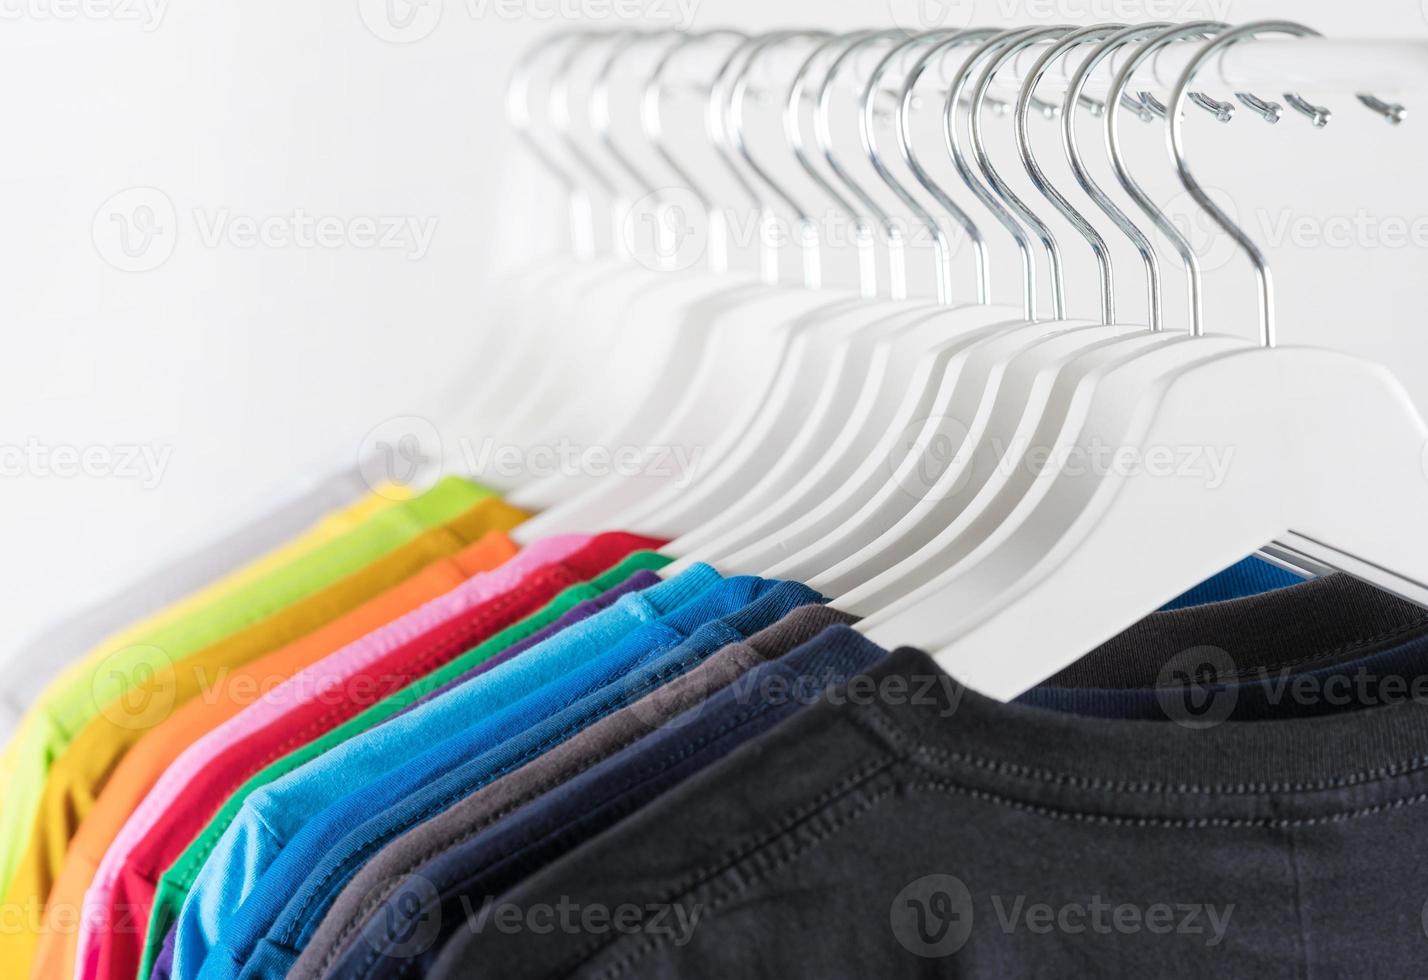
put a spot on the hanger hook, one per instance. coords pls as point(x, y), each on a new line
point(600, 102)
point(652, 118)
point(909, 154)
point(994, 40)
point(518, 111)
point(793, 128)
point(1008, 48)
point(808, 236)
point(1093, 237)
point(867, 129)
point(1176, 140)
point(1161, 221)
point(1149, 258)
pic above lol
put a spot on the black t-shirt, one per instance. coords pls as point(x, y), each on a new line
point(923, 830)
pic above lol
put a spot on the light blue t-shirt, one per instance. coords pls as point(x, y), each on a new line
point(273, 814)
point(291, 898)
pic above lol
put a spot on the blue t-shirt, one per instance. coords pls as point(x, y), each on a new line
point(289, 900)
point(466, 879)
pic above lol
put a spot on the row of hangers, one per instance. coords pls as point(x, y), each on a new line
point(891, 451)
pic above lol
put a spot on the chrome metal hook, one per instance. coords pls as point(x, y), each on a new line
point(808, 237)
point(958, 84)
point(868, 131)
point(600, 103)
point(1113, 146)
point(651, 116)
point(1033, 169)
point(1024, 39)
point(909, 155)
point(1149, 258)
point(1175, 138)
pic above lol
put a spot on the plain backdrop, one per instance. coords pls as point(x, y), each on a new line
point(166, 313)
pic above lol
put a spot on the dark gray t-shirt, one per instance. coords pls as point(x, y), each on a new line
point(907, 827)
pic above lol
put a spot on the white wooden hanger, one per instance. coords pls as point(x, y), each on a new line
point(747, 344)
point(873, 358)
point(900, 375)
point(1328, 457)
point(853, 518)
point(811, 401)
point(1016, 419)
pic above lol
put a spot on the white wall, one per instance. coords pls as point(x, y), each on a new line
point(240, 365)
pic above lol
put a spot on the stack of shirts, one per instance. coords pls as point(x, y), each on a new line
point(400, 745)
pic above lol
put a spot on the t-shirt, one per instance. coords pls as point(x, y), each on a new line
point(905, 826)
point(390, 658)
point(633, 573)
point(373, 886)
point(104, 675)
point(1329, 645)
point(273, 815)
point(478, 870)
point(184, 583)
point(168, 759)
point(515, 736)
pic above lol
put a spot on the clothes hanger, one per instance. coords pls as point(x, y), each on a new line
point(899, 387)
point(969, 376)
point(825, 373)
point(867, 374)
point(1033, 381)
point(749, 344)
point(1029, 613)
point(817, 359)
point(998, 512)
point(654, 339)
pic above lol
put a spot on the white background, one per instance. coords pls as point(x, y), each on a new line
point(249, 366)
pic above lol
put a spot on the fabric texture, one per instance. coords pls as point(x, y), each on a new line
point(493, 709)
point(905, 836)
point(271, 814)
point(173, 752)
point(630, 574)
point(323, 859)
point(377, 897)
point(1246, 577)
point(444, 628)
point(76, 695)
point(181, 584)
